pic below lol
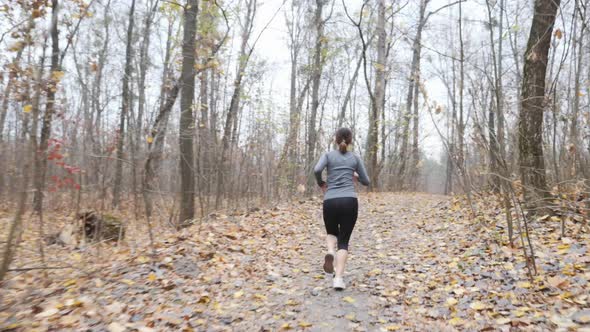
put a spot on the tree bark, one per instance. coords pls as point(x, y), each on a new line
point(41, 155)
point(530, 121)
point(186, 129)
point(378, 102)
point(232, 113)
point(125, 108)
point(315, 90)
point(574, 131)
point(415, 170)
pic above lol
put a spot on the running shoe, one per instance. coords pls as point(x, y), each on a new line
point(338, 284)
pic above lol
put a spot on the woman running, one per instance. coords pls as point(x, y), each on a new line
point(340, 201)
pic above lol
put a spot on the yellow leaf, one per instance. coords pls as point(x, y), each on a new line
point(150, 139)
point(519, 313)
point(456, 321)
point(73, 303)
point(451, 301)
point(503, 321)
point(304, 324)
point(392, 327)
point(13, 326)
point(152, 277)
point(238, 294)
point(204, 299)
point(128, 282)
point(142, 259)
point(70, 282)
point(523, 284)
point(57, 75)
point(477, 305)
point(351, 316)
point(374, 272)
point(27, 108)
point(286, 326)
point(348, 299)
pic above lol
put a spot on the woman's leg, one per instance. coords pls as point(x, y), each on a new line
point(332, 243)
point(341, 257)
point(331, 223)
point(347, 221)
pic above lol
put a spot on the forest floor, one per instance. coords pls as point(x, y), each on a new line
point(417, 262)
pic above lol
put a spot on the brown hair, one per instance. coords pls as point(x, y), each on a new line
point(343, 139)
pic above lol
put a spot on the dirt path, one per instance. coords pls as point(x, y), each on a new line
point(417, 263)
point(388, 227)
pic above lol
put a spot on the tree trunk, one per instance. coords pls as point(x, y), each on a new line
point(4, 111)
point(415, 170)
point(378, 102)
point(232, 113)
point(351, 85)
point(41, 155)
point(186, 128)
point(574, 132)
point(530, 124)
point(461, 124)
point(125, 109)
point(411, 101)
point(494, 152)
point(157, 137)
point(318, 64)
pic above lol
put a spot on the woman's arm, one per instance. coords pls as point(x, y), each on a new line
point(319, 168)
point(362, 172)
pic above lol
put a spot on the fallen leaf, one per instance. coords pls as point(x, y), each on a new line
point(523, 284)
point(477, 305)
point(451, 301)
point(456, 321)
point(116, 327)
point(348, 299)
point(47, 313)
point(582, 316)
point(304, 324)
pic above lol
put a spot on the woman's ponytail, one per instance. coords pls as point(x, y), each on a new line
point(343, 139)
point(343, 147)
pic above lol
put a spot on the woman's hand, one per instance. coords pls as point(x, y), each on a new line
point(324, 187)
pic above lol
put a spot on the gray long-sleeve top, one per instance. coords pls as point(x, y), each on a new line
point(341, 168)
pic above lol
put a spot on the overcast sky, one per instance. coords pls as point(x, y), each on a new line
point(273, 47)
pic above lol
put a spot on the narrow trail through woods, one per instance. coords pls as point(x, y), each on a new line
point(388, 248)
point(417, 263)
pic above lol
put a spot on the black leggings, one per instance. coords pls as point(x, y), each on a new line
point(339, 217)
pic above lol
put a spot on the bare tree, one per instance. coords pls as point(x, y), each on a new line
point(530, 121)
point(125, 107)
point(186, 129)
